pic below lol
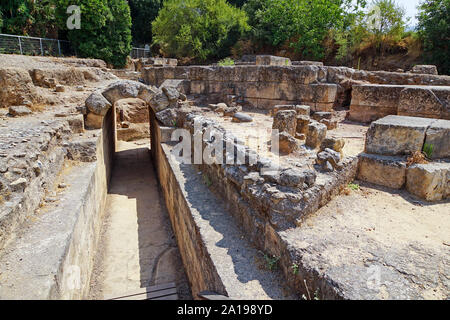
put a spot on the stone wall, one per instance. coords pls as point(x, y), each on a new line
point(263, 205)
point(264, 86)
point(371, 102)
point(58, 245)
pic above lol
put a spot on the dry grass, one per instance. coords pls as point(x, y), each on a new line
point(416, 158)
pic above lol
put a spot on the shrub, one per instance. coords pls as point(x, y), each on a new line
point(105, 29)
point(200, 29)
point(434, 28)
point(226, 62)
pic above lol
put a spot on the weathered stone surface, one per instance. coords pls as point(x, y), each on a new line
point(316, 133)
point(272, 60)
point(17, 111)
point(331, 124)
point(171, 93)
point(60, 88)
point(241, 117)
point(287, 143)
point(296, 178)
point(94, 121)
point(134, 131)
point(16, 86)
point(285, 120)
point(229, 111)
point(82, 150)
point(159, 101)
point(121, 90)
point(168, 117)
point(97, 103)
point(336, 144)
point(300, 109)
point(322, 115)
point(438, 135)
point(328, 156)
point(425, 69)
point(133, 110)
point(397, 135)
point(302, 124)
point(427, 102)
point(382, 170)
point(429, 181)
point(372, 101)
point(181, 85)
point(18, 185)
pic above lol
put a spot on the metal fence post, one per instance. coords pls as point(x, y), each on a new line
point(20, 45)
point(59, 48)
point(42, 49)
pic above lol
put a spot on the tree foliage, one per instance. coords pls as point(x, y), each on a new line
point(27, 17)
point(143, 12)
point(304, 24)
point(105, 31)
point(434, 28)
point(199, 29)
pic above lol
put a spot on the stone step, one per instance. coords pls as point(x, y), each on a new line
point(401, 135)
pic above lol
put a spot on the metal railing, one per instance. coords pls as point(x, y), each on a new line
point(137, 53)
point(48, 47)
point(34, 46)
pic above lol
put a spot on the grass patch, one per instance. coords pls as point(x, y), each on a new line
point(271, 262)
point(226, 62)
point(353, 186)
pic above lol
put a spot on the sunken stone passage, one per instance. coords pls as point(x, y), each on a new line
point(391, 140)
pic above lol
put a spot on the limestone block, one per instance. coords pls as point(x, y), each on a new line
point(428, 102)
point(425, 69)
point(302, 124)
point(241, 117)
point(285, 120)
point(181, 85)
point(429, 181)
point(372, 102)
point(268, 60)
point(382, 170)
point(133, 110)
point(438, 135)
point(287, 143)
point(18, 111)
point(300, 109)
point(97, 103)
point(397, 135)
point(94, 121)
point(121, 90)
point(316, 134)
point(336, 144)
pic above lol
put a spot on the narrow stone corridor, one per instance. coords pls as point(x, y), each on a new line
point(137, 247)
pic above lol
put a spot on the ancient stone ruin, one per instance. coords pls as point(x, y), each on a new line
point(270, 179)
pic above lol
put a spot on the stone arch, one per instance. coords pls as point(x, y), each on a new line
point(162, 102)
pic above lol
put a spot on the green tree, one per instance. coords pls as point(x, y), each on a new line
point(200, 29)
point(143, 12)
point(386, 17)
point(105, 31)
point(17, 17)
point(303, 24)
point(28, 17)
point(434, 28)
